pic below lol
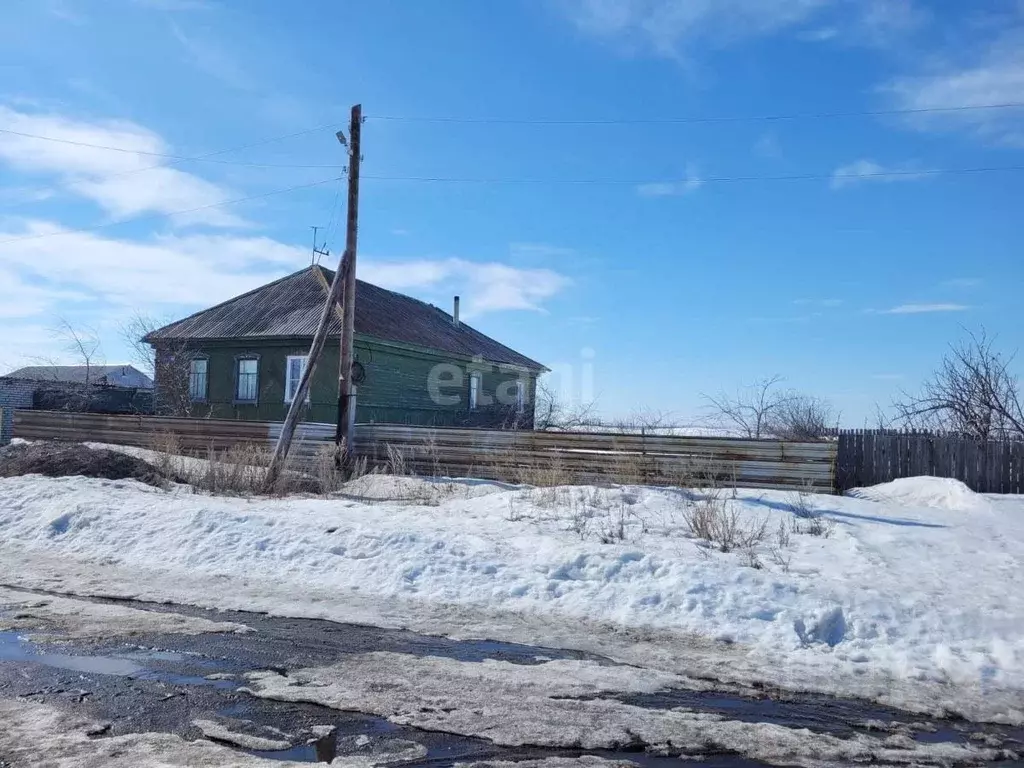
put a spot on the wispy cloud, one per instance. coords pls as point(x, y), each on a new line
point(670, 28)
point(484, 286)
point(768, 147)
point(120, 182)
point(818, 35)
point(541, 250)
point(212, 57)
point(176, 5)
point(963, 282)
point(828, 303)
point(666, 27)
point(688, 185)
point(862, 171)
point(983, 73)
point(921, 309)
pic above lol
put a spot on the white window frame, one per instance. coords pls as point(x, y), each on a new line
point(195, 394)
point(238, 379)
point(520, 395)
point(475, 382)
point(289, 385)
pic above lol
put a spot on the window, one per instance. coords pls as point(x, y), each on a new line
point(293, 373)
point(198, 381)
point(520, 396)
point(474, 390)
point(247, 383)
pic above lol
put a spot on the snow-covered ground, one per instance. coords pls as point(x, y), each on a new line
point(916, 596)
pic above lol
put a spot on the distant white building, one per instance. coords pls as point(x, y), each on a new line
point(98, 375)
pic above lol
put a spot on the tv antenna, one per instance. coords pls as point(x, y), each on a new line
point(318, 251)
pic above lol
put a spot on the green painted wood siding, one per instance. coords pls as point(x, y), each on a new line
point(401, 385)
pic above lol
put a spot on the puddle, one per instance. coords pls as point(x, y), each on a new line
point(444, 750)
point(15, 648)
point(822, 714)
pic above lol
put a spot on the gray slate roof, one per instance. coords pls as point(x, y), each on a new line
point(291, 307)
point(75, 374)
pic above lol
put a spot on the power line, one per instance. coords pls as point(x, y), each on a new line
point(207, 158)
point(170, 213)
point(703, 180)
point(696, 118)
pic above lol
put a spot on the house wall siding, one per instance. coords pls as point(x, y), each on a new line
point(14, 393)
point(397, 387)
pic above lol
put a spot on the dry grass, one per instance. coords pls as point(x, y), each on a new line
point(711, 518)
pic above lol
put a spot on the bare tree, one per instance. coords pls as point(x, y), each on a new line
point(750, 410)
point(551, 412)
point(82, 344)
point(973, 393)
point(765, 410)
point(801, 417)
point(643, 420)
point(169, 362)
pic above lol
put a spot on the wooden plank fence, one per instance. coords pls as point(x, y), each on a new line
point(869, 457)
point(492, 454)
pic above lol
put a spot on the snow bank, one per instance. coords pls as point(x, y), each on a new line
point(897, 596)
point(936, 492)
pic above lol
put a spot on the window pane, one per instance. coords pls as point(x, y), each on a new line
point(295, 365)
point(520, 396)
point(197, 379)
point(474, 390)
point(248, 375)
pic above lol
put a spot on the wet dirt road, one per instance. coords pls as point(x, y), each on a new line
point(195, 686)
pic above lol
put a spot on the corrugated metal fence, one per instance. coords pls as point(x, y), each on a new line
point(868, 457)
point(548, 457)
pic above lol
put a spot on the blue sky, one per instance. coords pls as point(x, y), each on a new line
point(586, 218)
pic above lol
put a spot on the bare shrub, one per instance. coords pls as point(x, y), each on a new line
point(765, 410)
point(801, 417)
point(713, 519)
point(240, 470)
point(819, 526)
point(749, 410)
point(973, 393)
point(802, 505)
point(326, 469)
point(778, 552)
point(394, 463)
point(751, 559)
point(552, 412)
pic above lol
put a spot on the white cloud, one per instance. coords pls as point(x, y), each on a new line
point(920, 309)
point(996, 76)
point(863, 171)
point(120, 182)
point(193, 270)
point(666, 26)
point(484, 287)
point(690, 183)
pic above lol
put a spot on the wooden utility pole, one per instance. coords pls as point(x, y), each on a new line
point(343, 435)
point(284, 440)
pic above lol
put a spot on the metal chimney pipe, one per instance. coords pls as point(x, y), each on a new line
point(455, 313)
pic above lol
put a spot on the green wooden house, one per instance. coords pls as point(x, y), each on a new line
point(414, 363)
